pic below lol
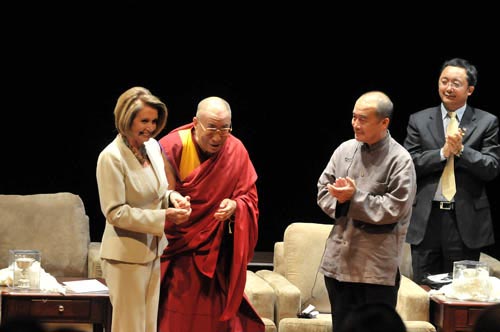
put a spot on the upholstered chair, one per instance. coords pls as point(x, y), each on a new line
point(55, 224)
point(297, 283)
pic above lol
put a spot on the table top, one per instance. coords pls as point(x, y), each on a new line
point(8, 291)
point(442, 299)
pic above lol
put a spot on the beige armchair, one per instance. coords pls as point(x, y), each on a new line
point(298, 283)
point(57, 226)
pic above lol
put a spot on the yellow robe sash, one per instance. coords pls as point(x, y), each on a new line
point(189, 158)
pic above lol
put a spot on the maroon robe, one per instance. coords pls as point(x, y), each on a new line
point(204, 266)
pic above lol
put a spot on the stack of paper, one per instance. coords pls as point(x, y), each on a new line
point(86, 286)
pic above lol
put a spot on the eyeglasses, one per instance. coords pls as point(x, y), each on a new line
point(454, 84)
point(223, 132)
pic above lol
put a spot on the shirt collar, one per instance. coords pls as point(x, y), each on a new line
point(377, 145)
point(459, 112)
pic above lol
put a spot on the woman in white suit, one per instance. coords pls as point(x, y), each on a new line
point(136, 200)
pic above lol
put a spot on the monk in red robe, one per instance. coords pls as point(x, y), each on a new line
point(204, 265)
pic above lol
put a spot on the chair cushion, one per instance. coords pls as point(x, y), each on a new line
point(419, 326)
point(322, 323)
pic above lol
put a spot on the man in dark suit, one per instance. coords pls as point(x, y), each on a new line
point(444, 230)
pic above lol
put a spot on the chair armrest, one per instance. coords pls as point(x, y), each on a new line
point(405, 267)
point(419, 326)
point(413, 301)
point(260, 294)
point(288, 298)
point(279, 258)
point(94, 261)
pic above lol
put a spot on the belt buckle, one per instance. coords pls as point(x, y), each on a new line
point(445, 205)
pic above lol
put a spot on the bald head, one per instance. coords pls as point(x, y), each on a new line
point(215, 106)
point(379, 100)
point(212, 116)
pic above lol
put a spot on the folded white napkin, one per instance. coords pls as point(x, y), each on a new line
point(493, 291)
point(48, 283)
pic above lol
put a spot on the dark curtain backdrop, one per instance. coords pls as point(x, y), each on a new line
point(291, 77)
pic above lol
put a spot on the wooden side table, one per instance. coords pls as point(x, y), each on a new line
point(90, 308)
point(450, 315)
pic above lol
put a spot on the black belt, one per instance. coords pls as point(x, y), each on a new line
point(449, 206)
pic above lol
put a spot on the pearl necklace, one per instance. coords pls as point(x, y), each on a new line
point(140, 153)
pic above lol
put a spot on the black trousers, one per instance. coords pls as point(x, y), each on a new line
point(346, 296)
point(442, 245)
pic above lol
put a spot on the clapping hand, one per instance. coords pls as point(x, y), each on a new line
point(342, 189)
point(453, 143)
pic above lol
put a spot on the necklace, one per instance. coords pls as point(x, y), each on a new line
point(140, 153)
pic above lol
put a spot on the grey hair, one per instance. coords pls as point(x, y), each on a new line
point(384, 104)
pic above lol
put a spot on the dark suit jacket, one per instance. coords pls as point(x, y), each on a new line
point(478, 164)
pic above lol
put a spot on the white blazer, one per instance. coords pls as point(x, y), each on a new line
point(133, 199)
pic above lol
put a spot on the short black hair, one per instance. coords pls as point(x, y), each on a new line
point(462, 63)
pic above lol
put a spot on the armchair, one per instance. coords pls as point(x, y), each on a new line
point(298, 283)
point(57, 226)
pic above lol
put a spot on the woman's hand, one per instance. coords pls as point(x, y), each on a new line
point(179, 201)
point(182, 208)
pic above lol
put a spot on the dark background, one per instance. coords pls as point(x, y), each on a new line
point(290, 74)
